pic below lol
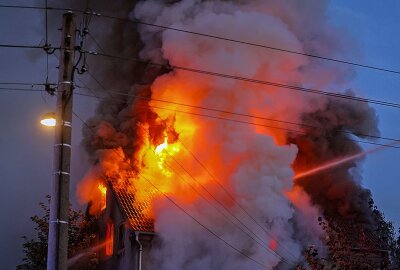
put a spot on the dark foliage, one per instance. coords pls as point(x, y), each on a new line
point(80, 233)
point(351, 245)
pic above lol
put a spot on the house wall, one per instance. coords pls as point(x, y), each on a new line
point(125, 248)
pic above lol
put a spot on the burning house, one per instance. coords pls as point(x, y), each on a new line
point(201, 138)
point(126, 233)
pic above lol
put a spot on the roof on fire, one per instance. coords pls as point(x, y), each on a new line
point(130, 207)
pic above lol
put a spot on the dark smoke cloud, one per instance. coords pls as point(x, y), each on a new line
point(338, 190)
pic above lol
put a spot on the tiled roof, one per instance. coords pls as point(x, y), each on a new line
point(130, 208)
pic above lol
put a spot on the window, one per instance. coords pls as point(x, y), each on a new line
point(103, 199)
point(121, 237)
point(109, 238)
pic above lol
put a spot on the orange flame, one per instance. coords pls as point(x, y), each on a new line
point(103, 191)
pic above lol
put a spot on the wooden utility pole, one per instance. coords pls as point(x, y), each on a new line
point(59, 205)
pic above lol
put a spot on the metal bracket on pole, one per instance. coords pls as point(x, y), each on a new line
point(66, 124)
point(59, 221)
point(66, 82)
point(61, 172)
point(62, 145)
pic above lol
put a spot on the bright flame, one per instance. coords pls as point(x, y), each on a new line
point(162, 146)
point(163, 151)
point(103, 191)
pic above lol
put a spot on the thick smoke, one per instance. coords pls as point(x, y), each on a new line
point(337, 190)
point(254, 163)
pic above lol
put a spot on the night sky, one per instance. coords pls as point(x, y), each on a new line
point(26, 146)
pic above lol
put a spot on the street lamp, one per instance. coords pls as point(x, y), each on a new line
point(48, 119)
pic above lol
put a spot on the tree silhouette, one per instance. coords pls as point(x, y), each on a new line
point(81, 236)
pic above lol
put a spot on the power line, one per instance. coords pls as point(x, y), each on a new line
point(378, 102)
point(215, 117)
point(180, 207)
point(243, 122)
point(222, 111)
point(21, 46)
point(291, 87)
point(262, 244)
point(183, 209)
point(202, 225)
point(202, 115)
point(237, 114)
point(256, 81)
point(21, 89)
point(24, 83)
point(230, 195)
point(136, 21)
point(265, 246)
point(229, 112)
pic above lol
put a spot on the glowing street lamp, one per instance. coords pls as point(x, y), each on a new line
point(48, 119)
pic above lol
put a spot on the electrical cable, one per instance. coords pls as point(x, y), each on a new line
point(255, 81)
point(230, 195)
point(197, 114)
point(262, 244)
point(269, 83)
point(21, 46)
point(21, 89)
point(228, 112)
point(224, 190)
point(120, 93)
point(25, 83)
point(248, 123)
point(136, 21)
point(265, 246)
point(291, 87)
point(180, 207)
